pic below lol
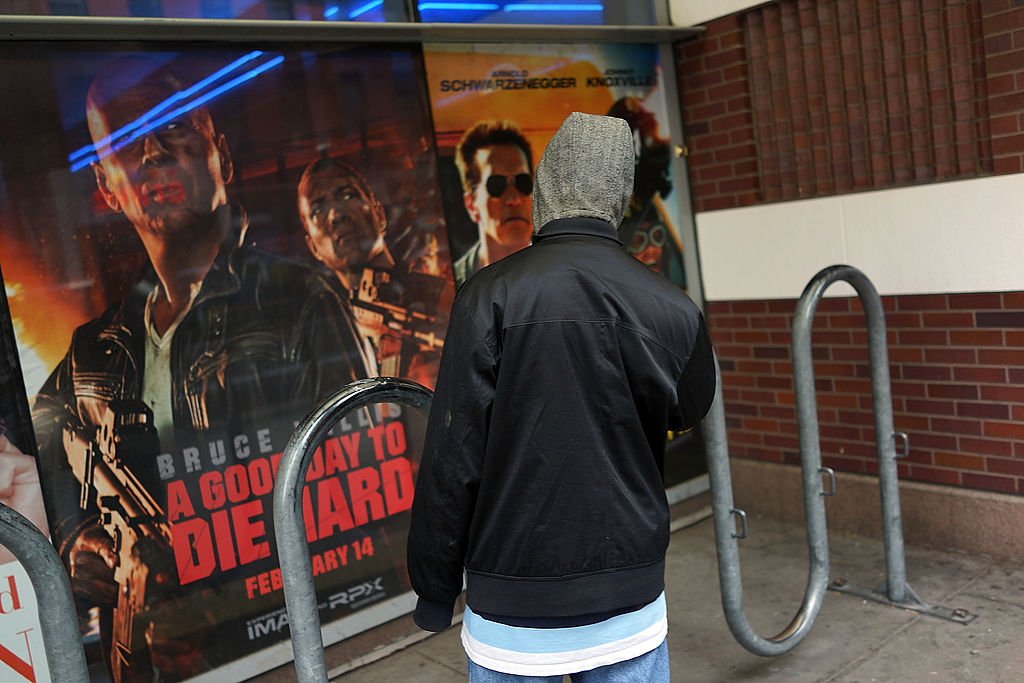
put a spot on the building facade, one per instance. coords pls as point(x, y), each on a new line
point(888, 136)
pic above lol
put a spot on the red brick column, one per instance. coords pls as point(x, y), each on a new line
point(1003, 26)
point(718, 121)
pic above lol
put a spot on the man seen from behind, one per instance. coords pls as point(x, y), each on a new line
point(541, 479)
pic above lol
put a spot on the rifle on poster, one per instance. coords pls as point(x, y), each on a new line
point(143, 560)
point(400, 331)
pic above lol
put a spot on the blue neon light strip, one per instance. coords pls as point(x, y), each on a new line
point(84, 162)
point(475, 6)
point(140, 131)
point(176, 97)
point(535, 7)
point(363, 9)
point(331, 11)
point(521, 7)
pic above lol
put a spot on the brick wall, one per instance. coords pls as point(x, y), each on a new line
point(809, 98)
point(804, 98)
point(1003, 30)
point(957, 370)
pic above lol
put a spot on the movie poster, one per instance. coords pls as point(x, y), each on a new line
point(495, 108)
point(198, 245)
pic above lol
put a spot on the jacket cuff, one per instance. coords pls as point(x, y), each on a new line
point(431, 615)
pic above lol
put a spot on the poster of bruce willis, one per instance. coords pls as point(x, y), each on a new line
point(196, 248)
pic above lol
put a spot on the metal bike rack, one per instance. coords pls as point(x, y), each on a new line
point(289, 527)
point(894, 590)
point(726, 536)
point(58, 619)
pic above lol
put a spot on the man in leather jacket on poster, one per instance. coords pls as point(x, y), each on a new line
point(218, 339)
point(400, 309)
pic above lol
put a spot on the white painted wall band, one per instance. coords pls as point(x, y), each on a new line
point(962, 236)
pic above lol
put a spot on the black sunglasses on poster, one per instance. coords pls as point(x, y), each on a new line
point(497, 184)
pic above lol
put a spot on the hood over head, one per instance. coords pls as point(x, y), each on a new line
point(586, 171)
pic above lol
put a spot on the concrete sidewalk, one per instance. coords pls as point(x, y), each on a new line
point(852, 640)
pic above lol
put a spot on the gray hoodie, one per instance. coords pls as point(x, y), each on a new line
point(586, 171)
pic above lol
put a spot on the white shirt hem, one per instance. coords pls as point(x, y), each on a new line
point(557, 663)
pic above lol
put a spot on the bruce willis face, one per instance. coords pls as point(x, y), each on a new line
point(169, 177)
point(343, 221)
point(508, 217)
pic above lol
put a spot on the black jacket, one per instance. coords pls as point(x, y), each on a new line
point(263, 341)
point(564, 365)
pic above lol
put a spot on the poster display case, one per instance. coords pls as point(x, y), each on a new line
point(201, 238)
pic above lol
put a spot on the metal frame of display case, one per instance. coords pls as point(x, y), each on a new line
point(18, 27)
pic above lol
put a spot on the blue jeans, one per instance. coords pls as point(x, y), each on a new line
point(649, 668)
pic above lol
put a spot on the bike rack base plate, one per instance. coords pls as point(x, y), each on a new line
point(913, 604)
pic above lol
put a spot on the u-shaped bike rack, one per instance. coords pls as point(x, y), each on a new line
point(58, 619)
point(289, 527)
point(894, 590)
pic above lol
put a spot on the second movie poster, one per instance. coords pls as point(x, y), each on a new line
point(494, 109)
point(496, 106)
